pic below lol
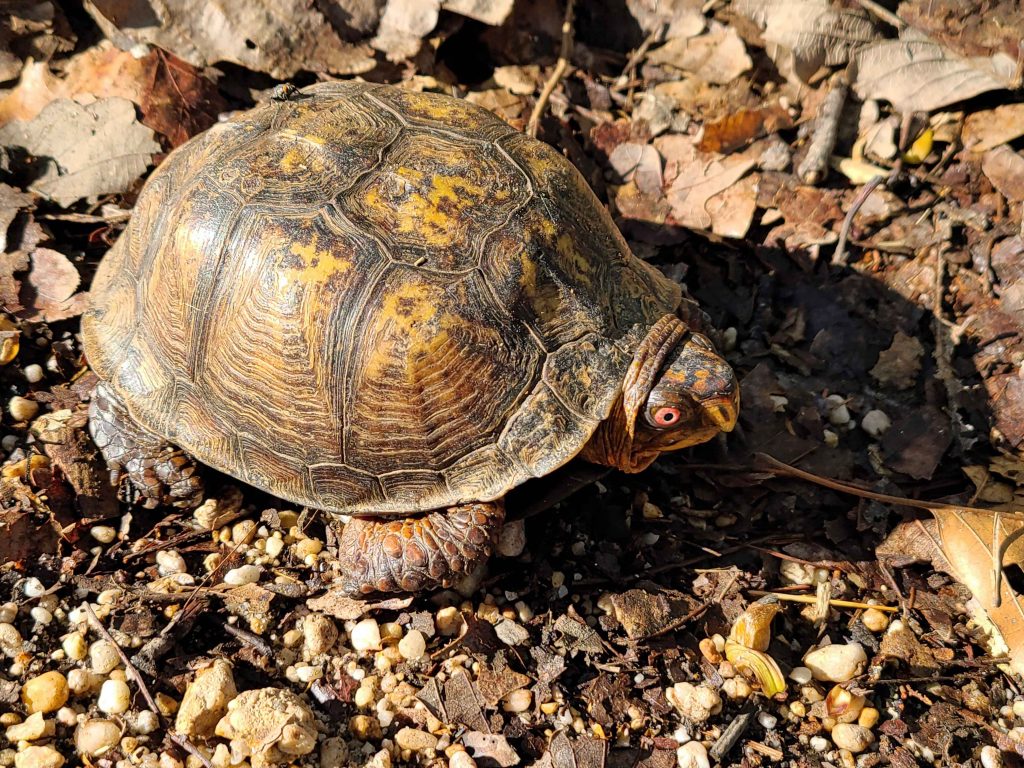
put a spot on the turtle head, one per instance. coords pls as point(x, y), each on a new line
point(694, 397)
point(678, 392)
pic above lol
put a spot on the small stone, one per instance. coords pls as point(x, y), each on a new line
point(697, 702)
point(274, 546)
point(692, 755)
point(38, 757)
point(855, 738)
point(41, 615)
point(511, 633)
point(34, 727)
point(413, 646)
point(82, 681)
point(244, 574)
point(868, 718)
point(11, 641)
point(517, 701)
point(365, 636)
point(22, 409)
point(320, 633)
point(46, 693)
point(94, 737)
point(449, 621)
point(104, 534)
point(991, 757)
point(461, 759)
point(415, 740)
point(838, 413)
point(145, 722)
point(365, 728)
point(115, 697)
point(74, 646)
point(800, 675)
point(206, 700)
point(512, 539)
point(820, 744)
point(875, 620)
point(103, 657)
point(169, 562)
point(33, 373)
point(876, 423)
point(273, 724)
point(737, 688)
point(767, 720)
point(837, 663)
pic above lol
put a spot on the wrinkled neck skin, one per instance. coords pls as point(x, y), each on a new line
point(614, 443)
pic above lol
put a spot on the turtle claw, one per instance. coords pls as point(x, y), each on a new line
point(416, 553)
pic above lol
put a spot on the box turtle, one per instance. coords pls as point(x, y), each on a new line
point(389, 305)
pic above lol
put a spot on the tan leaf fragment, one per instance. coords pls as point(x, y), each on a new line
point(279, 37)
point(493, 12)
point(640, 163)
point(989, 128)
point(899, 365)
point(917, 74)
point(49, 292)
point(403, 25)
point(732, 211)
point(718, 56)
point(91, 150)
point(805, 35)
point(1005, 169)
point(698, 178)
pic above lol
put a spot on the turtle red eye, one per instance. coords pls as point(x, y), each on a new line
point(666, 416)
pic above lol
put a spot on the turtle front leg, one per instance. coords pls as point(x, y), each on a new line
point(158, 472)
point(420, 552)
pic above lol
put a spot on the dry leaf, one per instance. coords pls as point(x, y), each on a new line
point(732, 211)
point(403, 26)
point(1005, 169)
point(697, 178)
point(743, 126)
point(678, 18)
point(808, 34)
point(11, 202)
point(640, 163)
point(491, 747)
point(279, 37)
point(988, 129)
point(493, 12)
point(916, 74)
point(48, 294)
point(93, 150)
point(717, 57)
point(899, 365)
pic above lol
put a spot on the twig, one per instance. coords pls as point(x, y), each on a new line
point(560, 70)
point(883, 13)
point(770, 752)
point(813, 600)
point(133, 674)
point(730, 736)
point(626, 78)
point(812, 169)
point(839, 257)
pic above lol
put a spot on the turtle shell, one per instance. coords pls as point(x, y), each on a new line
point(370, 300)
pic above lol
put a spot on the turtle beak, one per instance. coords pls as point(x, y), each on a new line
point(722, 412)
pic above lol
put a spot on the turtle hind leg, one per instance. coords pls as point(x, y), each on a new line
point(157, 472)
point(421, 552)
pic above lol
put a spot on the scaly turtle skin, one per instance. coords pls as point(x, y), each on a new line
point(390, 305)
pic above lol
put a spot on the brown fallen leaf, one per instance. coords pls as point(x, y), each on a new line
point(989, 128)
point(12, 202)
point(732, 210)
point(643, 614)
point(493, 12)
point(805, 35)
point(717, 56)
point(339, 605)
point(743, 126)
point(491, 747)
point(48, 294)
point(89, 150)
point(279, 37)
point(899, 365)
point(697, 177)
point(1005, 169)
point(640, 163)
point(674, 18)
point(917, 74)
point(403, 25)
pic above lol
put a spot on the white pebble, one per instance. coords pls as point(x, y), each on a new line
point(512, 539)
point(115, 697)
point(244, 574)
point(517, 701)
point(74, 646)
point(104, 534)
point(9, 442)
point(103, 657)
point(767, 720)
point(838, 413)
point(94, 737)
point(800, 675)
point(413, 646)
point(991, 757)
point(41, 615)
point(33, 587)
point(365, 636)
point(693, 755)
point(819, 744)
point(876, 423)
point(8, 613)
point(836, 663)
point(274, 546)
point(22, 409)
point(170, 561)
point(11, 640)
point(853, 737)
point(33, 373)
point(461, 760)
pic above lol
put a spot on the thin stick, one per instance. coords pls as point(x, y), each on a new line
point(133, 674)
point(560, 70)
point(839, 257)
point(883, 13)
point(813, 600)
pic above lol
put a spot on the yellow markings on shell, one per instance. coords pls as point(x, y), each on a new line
point(577, 264)
point(318, 264)
point(413, 330)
